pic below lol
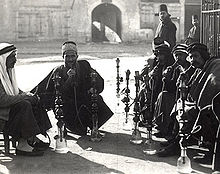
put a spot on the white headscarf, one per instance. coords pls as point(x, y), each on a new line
point(8, 79)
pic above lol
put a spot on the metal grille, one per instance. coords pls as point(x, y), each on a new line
point(211, 25)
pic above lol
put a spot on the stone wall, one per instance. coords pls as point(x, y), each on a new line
point(72, 19)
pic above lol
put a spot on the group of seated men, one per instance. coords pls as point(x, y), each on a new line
point(186, 72)
point(24, 115)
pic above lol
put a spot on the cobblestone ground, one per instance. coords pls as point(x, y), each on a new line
point(114, 154)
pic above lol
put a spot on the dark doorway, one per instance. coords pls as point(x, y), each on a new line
point(106, 23)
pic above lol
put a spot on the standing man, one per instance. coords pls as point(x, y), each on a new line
point(166, 28)
point(194, 32)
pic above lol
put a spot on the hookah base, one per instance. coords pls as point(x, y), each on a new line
point(126, 126)
point(136, 142)
point(150, 147)
point(61, 145)
point(150, 151)
point(62, 150)
point(136, 137)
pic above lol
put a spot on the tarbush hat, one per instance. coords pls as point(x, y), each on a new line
point(180, 48)
point(163, 7)
point(6, 47)
point(69, 46)
point(195, 17)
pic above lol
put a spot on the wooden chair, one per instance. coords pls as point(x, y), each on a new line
point(6, 142)
point(5, 138)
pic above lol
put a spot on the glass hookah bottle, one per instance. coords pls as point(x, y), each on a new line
point(149, 143)
point(183, 162)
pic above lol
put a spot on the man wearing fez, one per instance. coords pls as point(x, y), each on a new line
point(166, 28)
point(194, 32)
point(75, 89)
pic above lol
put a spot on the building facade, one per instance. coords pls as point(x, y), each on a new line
point(86, 20)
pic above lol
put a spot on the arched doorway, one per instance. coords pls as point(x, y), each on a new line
point(106, 23)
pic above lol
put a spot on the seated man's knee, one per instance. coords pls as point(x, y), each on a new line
point(23, 104)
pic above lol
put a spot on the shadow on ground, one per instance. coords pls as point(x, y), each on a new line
point(52, 162)
point(118, 144)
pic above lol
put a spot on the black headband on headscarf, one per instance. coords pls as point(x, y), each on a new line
point(197, 46)
point(8, 48)
point(201, 48)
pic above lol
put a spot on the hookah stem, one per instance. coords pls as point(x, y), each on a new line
point(94, 106)
point(127, 91)
point(58, 104)
point(136, 106)
point(61, 132)
point(118, 77)
point(182, 96)
point(151, 103)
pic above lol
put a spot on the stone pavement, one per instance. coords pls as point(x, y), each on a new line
point(114, 154)
point(97, 50)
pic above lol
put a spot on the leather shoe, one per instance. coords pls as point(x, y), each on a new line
point(204, 158)
point(39, 145)
point(171, 150)
point(34, 152)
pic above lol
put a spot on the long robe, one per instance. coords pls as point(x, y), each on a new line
point(204, 87)
point(75, 96)
point(167, 31)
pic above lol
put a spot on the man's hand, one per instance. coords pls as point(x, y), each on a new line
point(154, 73)
point(71, 72)
point(167, 73)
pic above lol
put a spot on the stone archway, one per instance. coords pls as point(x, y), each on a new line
point(106, 23)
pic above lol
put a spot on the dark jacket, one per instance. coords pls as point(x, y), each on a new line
point(167, 31)
point(194, 35)
point(75, 95)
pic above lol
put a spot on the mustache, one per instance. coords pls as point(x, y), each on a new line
point(71, 64)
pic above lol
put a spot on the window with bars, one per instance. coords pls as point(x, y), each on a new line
point(211, 25)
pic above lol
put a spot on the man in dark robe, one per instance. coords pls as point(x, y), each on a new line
point(153, 83)
point(21, 114)
point(194, 32)
point(166, 29)
point(75, 89)
point(203, 87)
point(167, 97)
